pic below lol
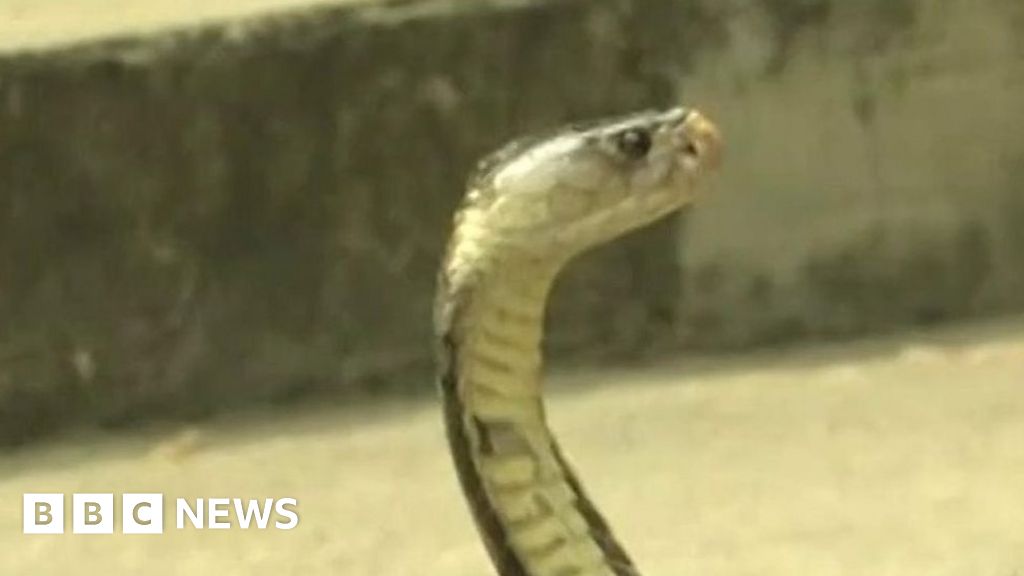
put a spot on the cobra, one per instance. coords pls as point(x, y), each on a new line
point(529, 209)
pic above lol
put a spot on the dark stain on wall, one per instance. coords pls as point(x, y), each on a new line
point(873, 24)
point(879, 282)
point(788, 18)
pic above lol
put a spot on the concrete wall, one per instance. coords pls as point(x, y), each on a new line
point(253, 211)
point(876, 169)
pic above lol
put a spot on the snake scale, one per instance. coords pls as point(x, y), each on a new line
point(529, 209)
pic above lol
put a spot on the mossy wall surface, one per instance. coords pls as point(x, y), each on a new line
point(253, 212)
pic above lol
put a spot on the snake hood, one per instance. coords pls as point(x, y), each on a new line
point(564, 192)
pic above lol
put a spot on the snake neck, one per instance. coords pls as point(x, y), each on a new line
point(530, 509)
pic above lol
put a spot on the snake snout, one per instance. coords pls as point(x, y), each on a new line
point(704, 139)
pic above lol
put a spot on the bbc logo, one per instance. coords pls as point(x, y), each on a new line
point(93, 513)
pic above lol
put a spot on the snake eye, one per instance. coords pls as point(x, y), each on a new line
point(634, 143)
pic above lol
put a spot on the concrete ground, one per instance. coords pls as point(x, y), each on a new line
point(901, 456)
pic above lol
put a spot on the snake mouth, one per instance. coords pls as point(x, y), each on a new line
point(701, 139)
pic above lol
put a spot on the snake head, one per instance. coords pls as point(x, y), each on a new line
point(587, 184)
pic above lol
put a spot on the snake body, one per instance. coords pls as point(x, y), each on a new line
point(529, 209)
